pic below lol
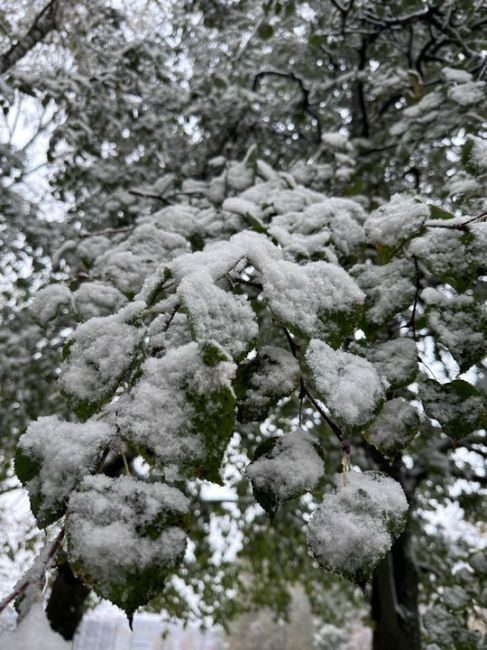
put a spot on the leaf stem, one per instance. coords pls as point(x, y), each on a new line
point(125, 463)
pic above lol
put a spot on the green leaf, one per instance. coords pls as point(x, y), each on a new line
point(394, 428)
point(439, 213)
point(315, 40)
point(458, 406)
point(214, 419)
point(160, 289)
point(467, 161)
point(290, 8)
point(26, 467)
point(265, 31)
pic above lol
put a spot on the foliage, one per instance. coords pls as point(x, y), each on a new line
point(265, 261)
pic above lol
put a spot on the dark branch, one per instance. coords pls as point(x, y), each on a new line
point(459, 226)
point(150, 195)
point(469, 476)
point(360, 121)
point(44, 23)
point(306, 105)
point(305, 392)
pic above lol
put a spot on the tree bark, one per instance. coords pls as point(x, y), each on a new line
point(395, 599)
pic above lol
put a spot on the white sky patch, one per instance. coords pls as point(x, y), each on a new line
point(449, 518)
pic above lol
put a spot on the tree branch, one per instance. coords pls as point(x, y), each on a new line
point(305, 392)
point(458, 226)
point(416, 298)
point(469, 476)
point(44, 23)
point(306, 105)
point(150, 195)
point(22, 587)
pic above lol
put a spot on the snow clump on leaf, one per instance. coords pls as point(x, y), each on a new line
point(349, 385)
point(126, 536)
point(355, 526)
point(285, 468)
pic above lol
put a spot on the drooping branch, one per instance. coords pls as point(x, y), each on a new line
point(44, 23)
point(423, 14)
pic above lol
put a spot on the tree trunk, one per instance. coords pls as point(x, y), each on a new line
point(395, 599)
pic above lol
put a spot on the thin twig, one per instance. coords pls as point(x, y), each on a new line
point(23, 586)
point(344, 442)
point(125, 463)
point(44, 23)
point(458, 226)
point(150, 195)
point(416, 298)
point(305, 392)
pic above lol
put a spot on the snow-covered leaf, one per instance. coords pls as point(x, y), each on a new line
point(460, 324)
point(99, 355)
point(389, 289)
point(181, 412)
point(262, 381)
point(396, 361)
point(317, 300)
point(457, 405)
point(53, 457)
point(355, 526)
point(348, 384)
point(474, 155)
point(218, 315)
point(284, 468)
point(49, 301)
point(125, 537)
point(395, 223)
point(394, 428)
